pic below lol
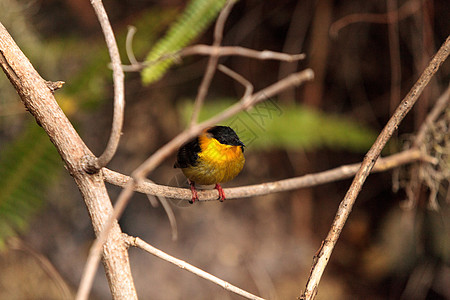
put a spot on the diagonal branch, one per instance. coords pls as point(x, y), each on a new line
point(137, 242)
point(371, 157)
point(40, 102)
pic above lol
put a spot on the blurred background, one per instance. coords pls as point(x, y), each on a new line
point(396, 243)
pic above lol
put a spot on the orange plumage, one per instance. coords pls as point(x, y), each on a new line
point(215, 156)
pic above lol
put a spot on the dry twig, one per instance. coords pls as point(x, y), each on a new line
point(119, 90)
point(220, 51)
point(137, 242)
point(371, 157)
point(309, 180)
point(247, 84)
point(212, 62)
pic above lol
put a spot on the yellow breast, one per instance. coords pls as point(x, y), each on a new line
point(216, 162)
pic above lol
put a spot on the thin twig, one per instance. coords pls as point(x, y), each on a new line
point(309, 180)
point(406, 10)
point(212, 62)
point(240, 51)
point(438, 108)
point(239, 78)
point(129, 45)
point(153, 161)
point(371, 157)
point(119, 89)
point(46, 265)
point(170, 215)
point(220, 51)
point(139, 243)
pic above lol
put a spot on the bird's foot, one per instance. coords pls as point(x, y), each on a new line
point(194, 192)
point(221, 193)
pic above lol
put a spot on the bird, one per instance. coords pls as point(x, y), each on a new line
point(213, 157)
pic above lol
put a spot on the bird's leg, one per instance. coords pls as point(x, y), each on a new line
point(221, 193)
point(194, 192)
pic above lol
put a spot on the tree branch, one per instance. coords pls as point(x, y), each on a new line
point(221, 51)
point(40, 102)
point(119, 90)
point(309, 180)
point(371, 157)
point(137, 242)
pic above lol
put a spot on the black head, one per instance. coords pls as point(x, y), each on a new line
point(226, 135)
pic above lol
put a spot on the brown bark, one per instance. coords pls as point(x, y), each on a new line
point(40, 102)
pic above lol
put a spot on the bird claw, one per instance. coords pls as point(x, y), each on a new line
point(194, 193)
point(221, 192)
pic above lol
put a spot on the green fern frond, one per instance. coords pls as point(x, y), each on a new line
point(27, 167)
point(194, 20)
point(272, 126)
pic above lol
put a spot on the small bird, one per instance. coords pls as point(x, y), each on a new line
point(215, 156)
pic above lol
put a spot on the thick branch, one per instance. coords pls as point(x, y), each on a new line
point(309, 180)
point(369, 161)
point(40, 102)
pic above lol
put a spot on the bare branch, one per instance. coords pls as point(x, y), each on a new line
point(40, 102)
point(247, 84)
point(309, 180)
point(212, 62)
point(221, 51)
point(119, 89)
point(240, 51)
point(129, 45)
point(137, 242)
point(371, 157)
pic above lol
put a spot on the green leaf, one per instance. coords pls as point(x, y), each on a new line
point(27, 167)
point(197, 16)
point(270, 125)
